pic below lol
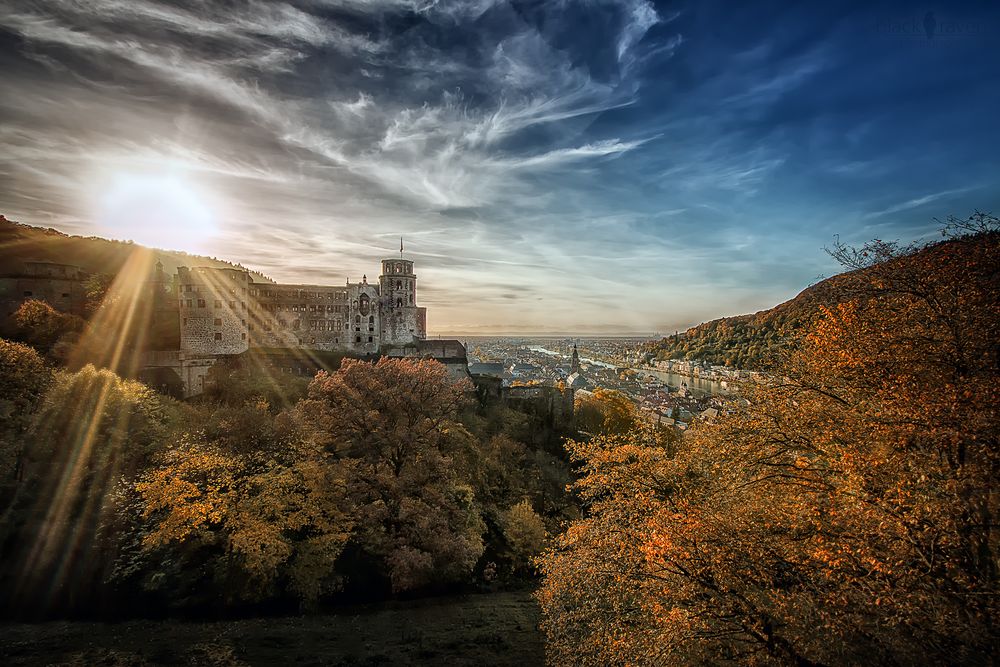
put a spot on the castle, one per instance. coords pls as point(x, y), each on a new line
point(224, 312)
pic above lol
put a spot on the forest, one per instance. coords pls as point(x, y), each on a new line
point(840, 510)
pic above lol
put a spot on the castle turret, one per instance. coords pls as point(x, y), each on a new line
point(402, 320)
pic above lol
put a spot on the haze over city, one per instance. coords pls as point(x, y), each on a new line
point(593, 167)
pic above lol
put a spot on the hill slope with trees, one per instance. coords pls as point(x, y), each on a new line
point(838, 512)
point(762, 340)
point(20, 243)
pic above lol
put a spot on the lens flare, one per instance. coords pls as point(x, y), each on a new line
point(162, 211)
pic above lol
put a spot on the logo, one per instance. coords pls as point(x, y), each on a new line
point(932, 28)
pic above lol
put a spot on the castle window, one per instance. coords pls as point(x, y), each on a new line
point(399, 284)
point(357, 319)
point(201, 303)
point(65, 295)
point(411, 298)
point(243, 336)
point(369, 339)
point(399, 303)
point(371, 319)
point(189, 303)
point(217, 322)
point(185, 321)
point(218, 335)
point(357, 339)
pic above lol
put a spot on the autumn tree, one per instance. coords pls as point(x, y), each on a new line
point(90, 430)
point(842, 513)
point(605, 411)
point(253, 524)
point(23, 381)
point(393, 427)
point(43, 327)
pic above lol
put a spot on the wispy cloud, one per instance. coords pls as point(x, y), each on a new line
point(917, 202)
point(567, 161)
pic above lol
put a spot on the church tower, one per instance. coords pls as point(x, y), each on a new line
point(574, 366)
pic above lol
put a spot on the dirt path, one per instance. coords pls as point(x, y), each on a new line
point(493, 629)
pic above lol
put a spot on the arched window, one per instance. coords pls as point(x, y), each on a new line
point(357, 319)
point(399, 303)
point(357, 339)
point(399, 284)
point(371, 319)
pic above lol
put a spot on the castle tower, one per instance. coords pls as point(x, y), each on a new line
point(402, 320)
point(574, 366)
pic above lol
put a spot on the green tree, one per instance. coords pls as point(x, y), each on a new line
point(46, 329)
point(23, 381)
point(525, 532)
point(91, 431)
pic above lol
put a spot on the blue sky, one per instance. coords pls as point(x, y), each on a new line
point(554, 166)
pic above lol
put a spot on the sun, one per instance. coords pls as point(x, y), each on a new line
point(157, 210)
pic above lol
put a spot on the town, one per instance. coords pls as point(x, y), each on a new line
point(669, 393)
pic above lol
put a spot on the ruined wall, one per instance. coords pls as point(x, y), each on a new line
point(213, 310)
point(177, 373)
point(59, 285)
point(312, 316)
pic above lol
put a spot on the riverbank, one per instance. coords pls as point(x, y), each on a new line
point(488, 629)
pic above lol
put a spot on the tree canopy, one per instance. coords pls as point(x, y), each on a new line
point(841, 513)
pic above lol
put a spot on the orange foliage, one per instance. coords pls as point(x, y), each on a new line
point(843, 515)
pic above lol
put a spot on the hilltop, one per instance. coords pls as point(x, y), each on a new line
point(760, 340)
point(20, 242)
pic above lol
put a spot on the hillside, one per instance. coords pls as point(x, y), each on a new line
point(752, 341)
point(20, 242)
point(758, 341)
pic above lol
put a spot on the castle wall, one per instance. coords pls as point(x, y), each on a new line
point(311, 316)
point(59, 285)
point(213, 310)
point(223, 312)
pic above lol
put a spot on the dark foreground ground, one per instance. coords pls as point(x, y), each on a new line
point(489, 629)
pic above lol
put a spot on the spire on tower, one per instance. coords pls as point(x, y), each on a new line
point(400, 247)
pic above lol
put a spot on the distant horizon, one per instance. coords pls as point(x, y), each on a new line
point(481, 331)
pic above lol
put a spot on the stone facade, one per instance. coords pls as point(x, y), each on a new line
point(60, 285)
point(224, 312)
